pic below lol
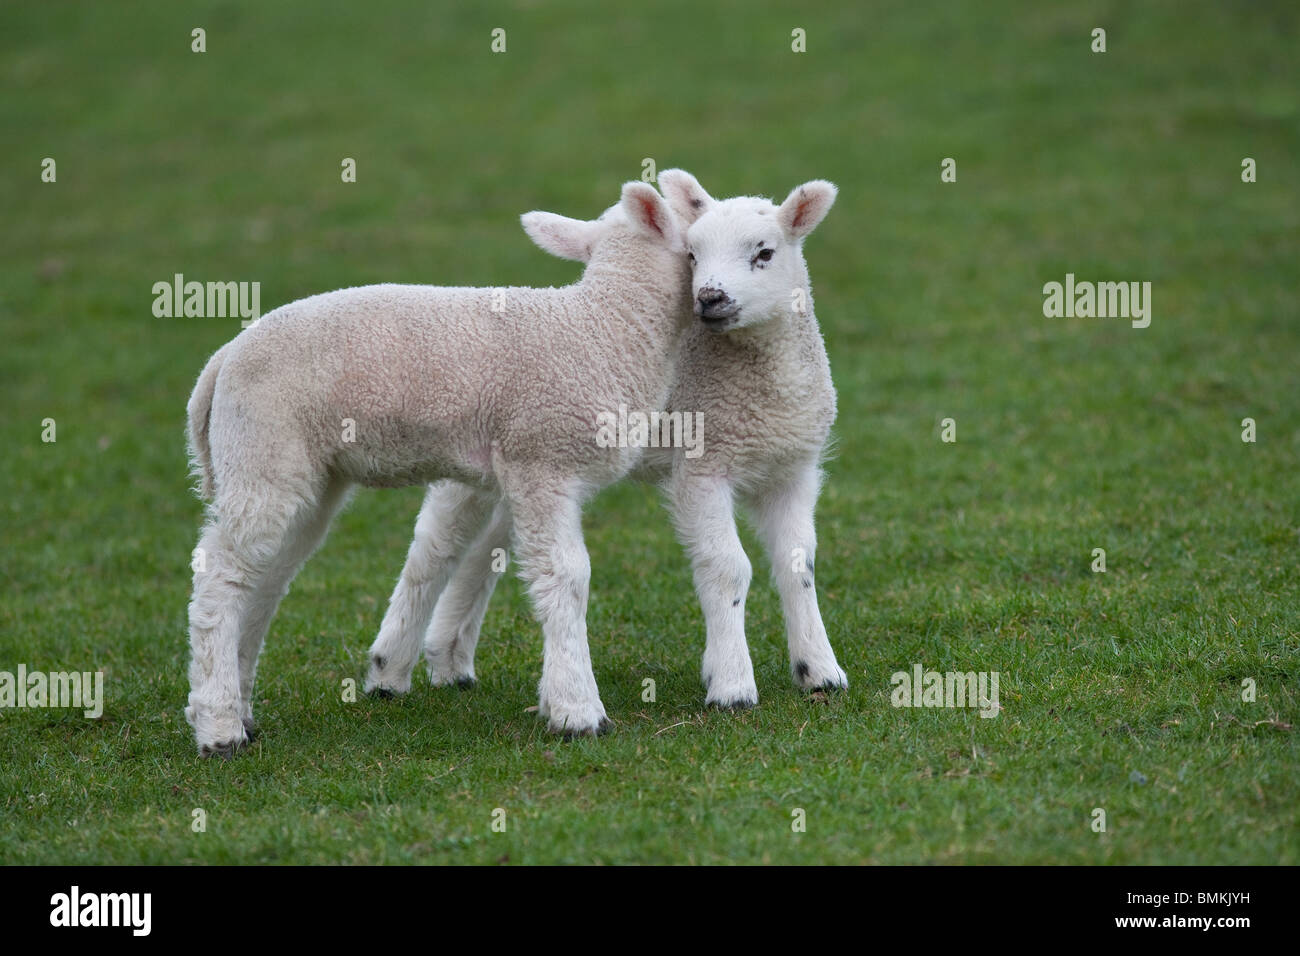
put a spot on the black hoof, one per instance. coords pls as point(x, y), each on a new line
point(740, 703)
point(224, 750)
point(465, 683)
point(602, 728)
point(380, 693)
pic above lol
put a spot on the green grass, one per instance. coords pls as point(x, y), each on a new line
point(1121, 691)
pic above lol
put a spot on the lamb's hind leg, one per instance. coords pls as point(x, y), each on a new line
point(298, 547)
point(453, 635)
point(784, 516)
point(250, 526)
point(449, 518)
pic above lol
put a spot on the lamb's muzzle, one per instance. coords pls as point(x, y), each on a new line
point(714, 306)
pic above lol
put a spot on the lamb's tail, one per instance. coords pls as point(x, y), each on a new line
point(199, 409)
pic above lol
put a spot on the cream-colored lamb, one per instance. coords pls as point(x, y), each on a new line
point(388, 385)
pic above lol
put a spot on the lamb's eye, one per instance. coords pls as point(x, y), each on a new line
point(765, 255)
point(691, 257)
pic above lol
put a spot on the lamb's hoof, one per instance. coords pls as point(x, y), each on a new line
point(823, 679)
point(735, 703)
point(380, 683)
point(448, 677)
point(250, 732)
point(225, 750)
point(599, 730)
point(737, 693)
point(381, 693)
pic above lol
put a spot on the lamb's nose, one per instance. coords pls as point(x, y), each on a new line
point(714, 306)
point(709, 298)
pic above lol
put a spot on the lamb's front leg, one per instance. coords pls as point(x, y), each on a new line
point(458, 618)
point(705, 516)
point(449, 518)
point(784, 514)
point(553, 561)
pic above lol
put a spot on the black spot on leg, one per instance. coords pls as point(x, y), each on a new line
point(807, 583)
point(380, 661)
point(810, 566)
point(736, 603)
point(801, 670)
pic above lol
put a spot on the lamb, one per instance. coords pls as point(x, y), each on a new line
point(755, 365)
point(389, 385)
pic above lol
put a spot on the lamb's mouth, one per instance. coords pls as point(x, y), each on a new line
point(720, 319)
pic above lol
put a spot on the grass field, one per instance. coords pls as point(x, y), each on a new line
point(1121, 691)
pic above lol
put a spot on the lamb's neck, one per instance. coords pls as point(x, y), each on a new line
point(783, 328)
point(653, 296)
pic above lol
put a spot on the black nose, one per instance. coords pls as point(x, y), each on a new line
point(714, 304)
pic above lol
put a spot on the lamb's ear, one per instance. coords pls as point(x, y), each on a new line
point(560, 235)
point(805, 207)
point(646, 209)
point(684, 194)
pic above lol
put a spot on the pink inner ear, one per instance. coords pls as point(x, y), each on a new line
point(800, 211)
point(650, 214)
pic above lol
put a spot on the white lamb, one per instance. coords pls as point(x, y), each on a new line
point(394, 385)
point(764, 388)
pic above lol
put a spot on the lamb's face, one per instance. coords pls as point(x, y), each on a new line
point(745, 268)
point(746, 254)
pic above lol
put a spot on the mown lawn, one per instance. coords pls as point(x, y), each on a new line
point(1120, 691)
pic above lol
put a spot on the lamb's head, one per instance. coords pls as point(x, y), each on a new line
point(637, 230)
point(746, 253)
